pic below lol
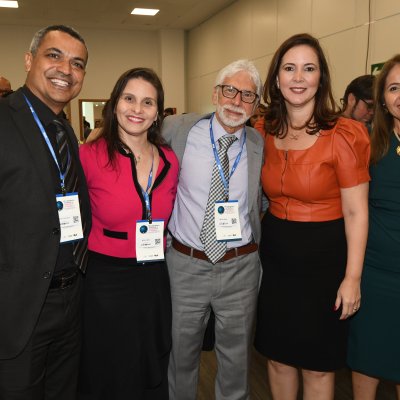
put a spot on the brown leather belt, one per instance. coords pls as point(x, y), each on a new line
point(231, 253)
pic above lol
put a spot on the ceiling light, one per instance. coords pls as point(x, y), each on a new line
point(9, 4)
point(145, 11)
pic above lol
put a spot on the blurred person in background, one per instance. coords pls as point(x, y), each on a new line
point(5, 87)
point(358, 102)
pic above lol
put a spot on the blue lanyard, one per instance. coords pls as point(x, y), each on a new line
point(145, 193)
point(218, 161)
point(49, 145)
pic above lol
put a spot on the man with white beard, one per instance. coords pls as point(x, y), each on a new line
point(213, 261)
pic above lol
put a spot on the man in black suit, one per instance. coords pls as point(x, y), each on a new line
point(40, 217)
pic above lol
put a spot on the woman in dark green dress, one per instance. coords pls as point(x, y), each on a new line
point(374, 343)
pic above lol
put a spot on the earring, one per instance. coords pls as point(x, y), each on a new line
point(277, 83)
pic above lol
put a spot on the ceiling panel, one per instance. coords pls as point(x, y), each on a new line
point(113, 14)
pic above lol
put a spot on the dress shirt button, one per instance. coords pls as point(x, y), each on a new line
point(47, 275)
point(56, 231)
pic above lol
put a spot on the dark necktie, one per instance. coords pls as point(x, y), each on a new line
point(216, 250)
point(67, 164)
point(68, 167)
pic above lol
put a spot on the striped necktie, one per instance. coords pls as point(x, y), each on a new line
point(68, 167)
point(67, 164)
point(216, 250)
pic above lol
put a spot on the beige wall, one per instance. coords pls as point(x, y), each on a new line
point(110, 54)
point(172, 47)
point(255, 28)
point(188, 62)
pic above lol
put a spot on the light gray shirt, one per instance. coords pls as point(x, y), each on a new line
point(195, 180)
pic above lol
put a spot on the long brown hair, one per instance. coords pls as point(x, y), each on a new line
point(109, 130)
point(325, 110)
point(383, 121)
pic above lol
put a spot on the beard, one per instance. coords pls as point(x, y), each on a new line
point(232, 123)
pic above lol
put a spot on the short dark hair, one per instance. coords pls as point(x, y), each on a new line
point(40, 34)
point(325, 111)
point(110, 123)
point(169, 111)
point(361, 87)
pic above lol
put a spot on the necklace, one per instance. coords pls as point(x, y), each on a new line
point(295, 131)
point(294, 136)
point(398, 138)
point(137, 157)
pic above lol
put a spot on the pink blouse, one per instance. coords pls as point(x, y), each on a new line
point(116, 199)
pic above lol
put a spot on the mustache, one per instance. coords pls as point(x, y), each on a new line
point(60, 75)
point(233, 108)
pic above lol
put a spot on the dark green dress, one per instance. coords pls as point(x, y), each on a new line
point(374, 341)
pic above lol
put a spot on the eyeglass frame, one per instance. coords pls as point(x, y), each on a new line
point(370, 106)
point(238, 91)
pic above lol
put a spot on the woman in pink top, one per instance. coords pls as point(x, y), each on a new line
point(132, 178)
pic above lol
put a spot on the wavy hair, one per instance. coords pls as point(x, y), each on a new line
point(238, 66)
point(383, 121)
point(325, 112)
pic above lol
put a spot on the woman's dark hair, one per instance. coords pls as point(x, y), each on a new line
point(383, 123)
point(325, 110)
point(110, 123)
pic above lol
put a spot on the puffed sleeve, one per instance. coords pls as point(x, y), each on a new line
point(259, 126)
point(351, 152)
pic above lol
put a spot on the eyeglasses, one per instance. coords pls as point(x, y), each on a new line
point(231, 92)
point(370, 106)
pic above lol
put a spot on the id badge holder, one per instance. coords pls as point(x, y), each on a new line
point(69, 214)
point(227, 222)
point(150, 240)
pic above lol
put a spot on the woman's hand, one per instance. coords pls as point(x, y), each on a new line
point(355, 213)
point(349, 297)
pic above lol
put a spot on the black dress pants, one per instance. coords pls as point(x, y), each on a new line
point(47, 369)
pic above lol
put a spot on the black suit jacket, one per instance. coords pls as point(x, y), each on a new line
point(29, 223)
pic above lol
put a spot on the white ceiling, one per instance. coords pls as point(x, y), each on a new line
point(112, 14)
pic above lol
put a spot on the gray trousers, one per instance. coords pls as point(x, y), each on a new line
point(231, 289)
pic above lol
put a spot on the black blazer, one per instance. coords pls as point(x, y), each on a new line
point(29, 224)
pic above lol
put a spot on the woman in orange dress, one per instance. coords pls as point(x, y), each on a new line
point(314, 232)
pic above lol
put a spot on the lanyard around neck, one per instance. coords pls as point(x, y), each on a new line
point(218, 161)
point(145, 193)
point(50, 147)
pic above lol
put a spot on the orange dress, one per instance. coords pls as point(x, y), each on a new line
point(304, 185)
point(303, 246)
